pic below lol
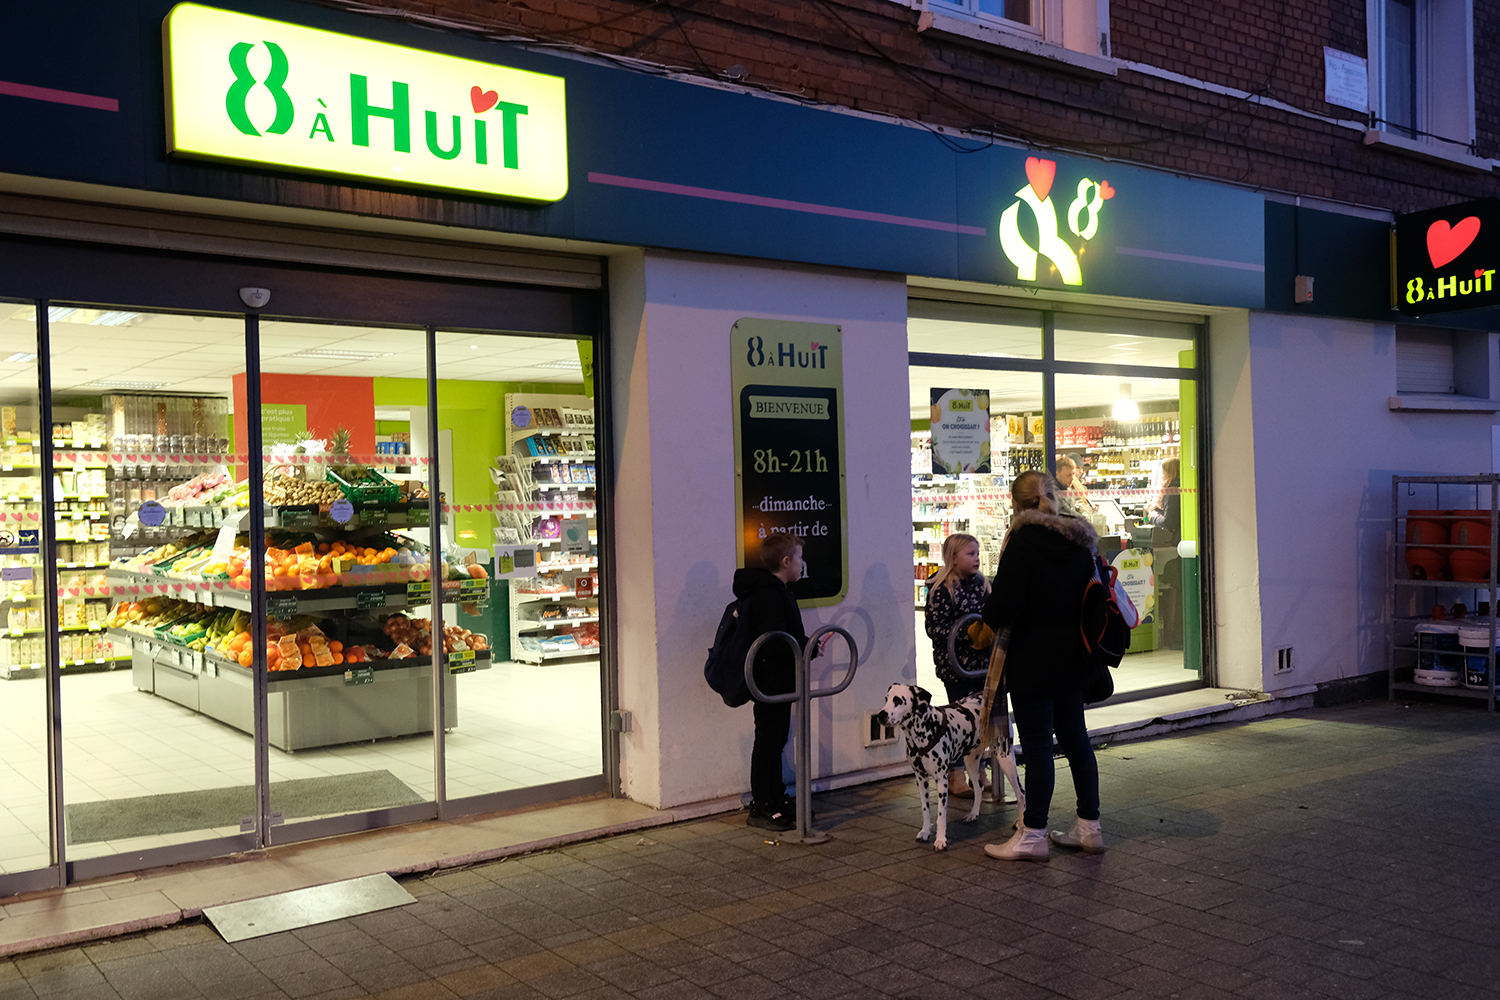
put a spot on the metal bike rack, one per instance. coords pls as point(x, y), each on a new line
point(953, 633)
point(803, 696)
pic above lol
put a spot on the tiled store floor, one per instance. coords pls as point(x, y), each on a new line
point(120, 743)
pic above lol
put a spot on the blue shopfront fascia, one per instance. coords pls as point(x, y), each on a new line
point(658, 162)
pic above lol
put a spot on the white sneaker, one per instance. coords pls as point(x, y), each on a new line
point(1026, 845)
point(1085, 834)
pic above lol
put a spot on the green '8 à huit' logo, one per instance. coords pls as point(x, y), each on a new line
point(445, 144)
point(239, 93)
point(247, 89)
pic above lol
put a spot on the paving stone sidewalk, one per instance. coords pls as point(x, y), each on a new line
point(1350, 853)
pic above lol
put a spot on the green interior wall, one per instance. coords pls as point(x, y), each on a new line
point(475, 412)
point(1187, 394)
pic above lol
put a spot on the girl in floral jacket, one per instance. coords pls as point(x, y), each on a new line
point(955, 590)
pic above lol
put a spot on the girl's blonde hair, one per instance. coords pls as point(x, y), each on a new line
point(948, 575)
point(1034, 490)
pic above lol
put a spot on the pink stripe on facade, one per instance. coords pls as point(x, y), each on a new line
point(781, 203)
point(58, 96)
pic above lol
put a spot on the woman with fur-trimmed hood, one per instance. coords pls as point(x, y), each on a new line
point(1037, 593)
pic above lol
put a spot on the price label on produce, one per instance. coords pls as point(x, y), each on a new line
point(292, 518)
point(281, 607)
point(367, 599)
point(420, 516)
point(419, 589)
point(359, 675)
point(373, 517)
point(473, 590)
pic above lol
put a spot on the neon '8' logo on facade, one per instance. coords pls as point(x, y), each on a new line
point(1083, 222)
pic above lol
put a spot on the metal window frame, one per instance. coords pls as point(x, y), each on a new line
point(62, 871)
point(1049, 368)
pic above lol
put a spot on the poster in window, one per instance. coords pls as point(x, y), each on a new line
point(960, 431)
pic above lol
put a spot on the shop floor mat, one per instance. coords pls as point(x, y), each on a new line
point(180, 812)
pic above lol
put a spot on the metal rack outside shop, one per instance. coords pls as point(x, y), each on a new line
point(1406, 592)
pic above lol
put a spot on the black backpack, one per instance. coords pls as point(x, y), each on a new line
point(1105, 625)
point(725, 668)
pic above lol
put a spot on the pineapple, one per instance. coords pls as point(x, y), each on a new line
point(338, 445)
point(338, 455)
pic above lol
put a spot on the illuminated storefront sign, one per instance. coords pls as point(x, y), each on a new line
point(264, 92)
point(1082, 218)
point(1445, 259)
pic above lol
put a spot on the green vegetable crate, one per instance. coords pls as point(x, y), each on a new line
point(371, 488)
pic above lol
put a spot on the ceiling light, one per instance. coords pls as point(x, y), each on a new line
point(576, 366)
point(120, 383)
point(117, 317)
point(21, 356)
point(338, 354)
point(1125, 408)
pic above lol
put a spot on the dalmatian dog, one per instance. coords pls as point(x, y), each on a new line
point(936, 740)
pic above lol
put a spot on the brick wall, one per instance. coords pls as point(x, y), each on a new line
point(868, 55)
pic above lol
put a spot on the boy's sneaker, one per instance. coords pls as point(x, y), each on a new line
point(776, 818)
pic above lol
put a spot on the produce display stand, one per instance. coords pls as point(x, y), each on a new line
point(306, 708)
point(1409, 594)
point(310, 706)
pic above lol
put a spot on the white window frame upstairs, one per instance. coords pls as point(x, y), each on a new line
point(1443, 125)
point(1072, 32)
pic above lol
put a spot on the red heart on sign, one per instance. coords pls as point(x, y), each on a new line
point(1040, 174)
point(74, 591)
point(1445, 242)
point(1478, 272)
point(1105, 191)
point(482, 100)
point(135, 590)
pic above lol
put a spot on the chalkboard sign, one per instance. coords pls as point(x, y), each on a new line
point(789, 448)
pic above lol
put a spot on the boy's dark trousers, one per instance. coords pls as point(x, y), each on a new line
point(773, 724)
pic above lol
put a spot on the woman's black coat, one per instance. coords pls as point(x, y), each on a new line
point(1038, 593)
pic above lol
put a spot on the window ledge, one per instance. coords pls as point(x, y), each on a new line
point(1440, 402)
point(1030, 48)
point(1432, 151)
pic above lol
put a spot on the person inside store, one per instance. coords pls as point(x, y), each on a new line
point(773, 608)
point(1164, 514)
point(958, 588)
point(1037, 593)
point(1071, 498)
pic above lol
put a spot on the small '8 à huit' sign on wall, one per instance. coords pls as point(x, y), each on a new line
point(1446, 259)
point(251, 90)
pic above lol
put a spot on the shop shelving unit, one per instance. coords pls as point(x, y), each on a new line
point(548, 605)
point(1407, 594)
point(963, 503)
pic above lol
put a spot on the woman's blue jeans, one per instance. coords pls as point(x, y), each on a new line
point(1038, 716)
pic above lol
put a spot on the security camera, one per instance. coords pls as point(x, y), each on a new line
point(255, 298)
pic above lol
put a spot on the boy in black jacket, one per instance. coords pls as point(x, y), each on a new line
point(772, 609)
